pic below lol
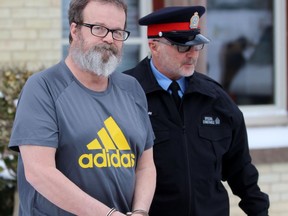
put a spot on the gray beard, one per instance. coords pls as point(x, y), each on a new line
point(101, 60)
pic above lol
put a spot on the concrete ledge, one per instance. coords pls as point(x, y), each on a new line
point(267, 156)
point(268, 137)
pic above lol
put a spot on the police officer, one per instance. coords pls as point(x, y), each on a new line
point(201, 137)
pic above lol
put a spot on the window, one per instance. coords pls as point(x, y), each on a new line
point(135, 47)
point(247, 55)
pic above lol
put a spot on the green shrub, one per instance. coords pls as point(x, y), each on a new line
point(11, 82)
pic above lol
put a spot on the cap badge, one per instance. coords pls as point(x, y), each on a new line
point(194, 21)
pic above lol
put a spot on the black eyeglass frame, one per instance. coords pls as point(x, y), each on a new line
point(91, 26)
point(182, 49)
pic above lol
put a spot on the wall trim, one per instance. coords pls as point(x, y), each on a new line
point(268, 156)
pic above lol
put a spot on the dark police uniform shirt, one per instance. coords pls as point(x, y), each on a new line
point(194, 155)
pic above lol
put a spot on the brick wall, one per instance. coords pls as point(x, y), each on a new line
point(272, 165)
point(30, 33)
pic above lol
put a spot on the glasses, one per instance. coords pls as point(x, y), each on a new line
point(102, 31)
point(183, 49)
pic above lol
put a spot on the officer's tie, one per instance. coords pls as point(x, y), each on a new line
point(174, 87)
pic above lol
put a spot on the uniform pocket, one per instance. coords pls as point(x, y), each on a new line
point(220, 139)
point(218, 136)
point(214, 133)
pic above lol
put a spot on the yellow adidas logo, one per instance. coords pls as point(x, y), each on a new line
point(113, 141)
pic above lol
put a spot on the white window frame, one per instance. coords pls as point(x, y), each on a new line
point(145, 7)
point(275, 114)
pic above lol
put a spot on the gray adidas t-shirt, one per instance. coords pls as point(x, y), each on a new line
point(98, 136)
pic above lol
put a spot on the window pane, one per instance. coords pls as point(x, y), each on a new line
point(133, 16)
point(65, 22)
point(130, 57)
point(241, 54)
point(65, 48)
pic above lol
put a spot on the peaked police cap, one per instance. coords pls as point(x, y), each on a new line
point(179, 25)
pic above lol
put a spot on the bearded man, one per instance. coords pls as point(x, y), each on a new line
point(82, 132)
